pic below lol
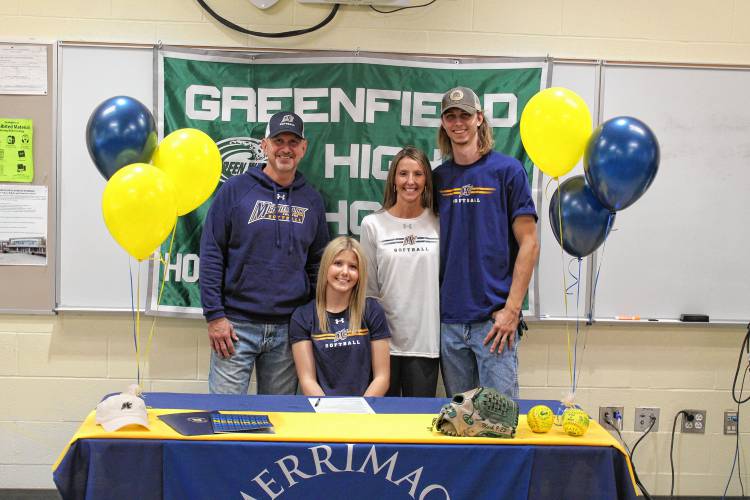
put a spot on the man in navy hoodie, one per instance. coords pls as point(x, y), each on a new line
point(260, 250)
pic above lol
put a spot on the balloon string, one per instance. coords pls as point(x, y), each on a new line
point(585, 342)
point(161, 289)
point(601, 261)
point(565, 284)
point(546, 188)
point(132, 310)
point(138, 325)
point(573, 276)
point(576, 374)
point(575, 344)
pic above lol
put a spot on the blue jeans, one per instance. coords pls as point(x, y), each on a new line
point(466, 363)
point(264, 343)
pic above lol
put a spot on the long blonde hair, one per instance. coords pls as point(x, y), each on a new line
point(357, 296)
point(486, 141)
point(389, 196)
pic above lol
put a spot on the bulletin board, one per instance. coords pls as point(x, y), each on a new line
point(30, 289)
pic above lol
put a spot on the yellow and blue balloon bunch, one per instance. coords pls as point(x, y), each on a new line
point(142, 200)
point(621, 159)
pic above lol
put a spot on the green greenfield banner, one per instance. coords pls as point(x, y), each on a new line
point(358, 112)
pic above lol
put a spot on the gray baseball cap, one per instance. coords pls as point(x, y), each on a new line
point(462, 98)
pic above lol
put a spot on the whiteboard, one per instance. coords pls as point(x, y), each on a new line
point(683, 247)
point(94, 272)
point(554, 264)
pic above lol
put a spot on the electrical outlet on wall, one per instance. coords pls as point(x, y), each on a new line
point(611, 415)
point(643, 417)
point(730, 422)
point(694, 422)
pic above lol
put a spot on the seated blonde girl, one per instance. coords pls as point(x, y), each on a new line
point(340, 339)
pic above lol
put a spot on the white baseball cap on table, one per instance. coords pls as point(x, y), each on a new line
point(122, 409)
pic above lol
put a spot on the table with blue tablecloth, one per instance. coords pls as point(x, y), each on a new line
point(393, 453)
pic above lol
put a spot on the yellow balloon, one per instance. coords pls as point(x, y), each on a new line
point(555, 126)
point(140, 208)
point(193, 161)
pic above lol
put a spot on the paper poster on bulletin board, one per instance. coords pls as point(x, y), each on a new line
point(16, 150)
point(23, 225)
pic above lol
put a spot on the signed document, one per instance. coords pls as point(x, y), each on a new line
point(340, 405)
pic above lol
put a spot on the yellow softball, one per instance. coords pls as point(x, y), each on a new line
point(540, 418)
point(575, 422)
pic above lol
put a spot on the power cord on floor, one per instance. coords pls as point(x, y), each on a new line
point(671, 447)
point(618, 420)
point(745, 346)
point(736, 461)
point(632, 457)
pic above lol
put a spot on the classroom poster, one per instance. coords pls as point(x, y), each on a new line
point(16, 150)
point(359, 110)
point(23, 69)
point(23, 225)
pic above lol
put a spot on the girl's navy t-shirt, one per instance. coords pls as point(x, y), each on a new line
point(343, 358)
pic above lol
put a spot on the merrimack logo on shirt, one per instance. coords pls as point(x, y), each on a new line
point(340, 335)
point(340, 338)
point(410, 243)
point(267, 210)
point(467, 193)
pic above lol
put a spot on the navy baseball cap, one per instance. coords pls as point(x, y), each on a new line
point(285, 121)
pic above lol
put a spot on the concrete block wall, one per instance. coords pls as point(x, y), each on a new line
point(667, 367)
point(54, 369)
point(668, 30)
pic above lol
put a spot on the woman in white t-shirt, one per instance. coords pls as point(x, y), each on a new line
point(401, 244)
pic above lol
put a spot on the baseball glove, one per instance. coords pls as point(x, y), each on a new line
point(481, 412)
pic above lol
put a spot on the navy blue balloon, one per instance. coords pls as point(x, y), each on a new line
point(621, 161)
point(585, 221)
point(120, 131)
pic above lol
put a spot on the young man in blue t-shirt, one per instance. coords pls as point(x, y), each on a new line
point(488, 249)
